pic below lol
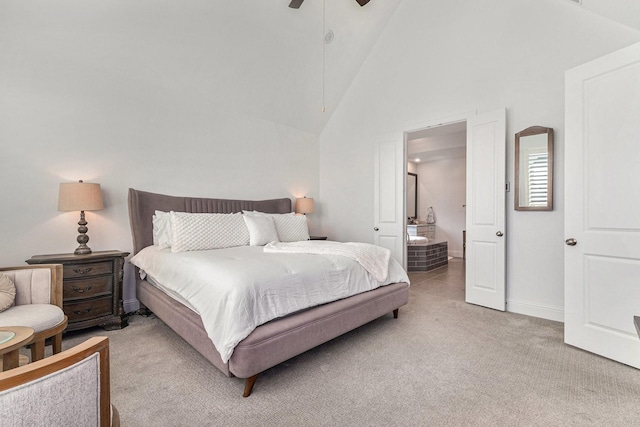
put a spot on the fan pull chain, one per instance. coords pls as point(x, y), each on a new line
point(324, 5)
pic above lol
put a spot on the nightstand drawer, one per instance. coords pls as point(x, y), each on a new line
point(78, 311)
point(71, 271)
point(90, 287)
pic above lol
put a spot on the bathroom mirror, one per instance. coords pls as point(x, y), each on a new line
point(534, 169)
point(412, 195)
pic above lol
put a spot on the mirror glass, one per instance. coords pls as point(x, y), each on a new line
point(534, 169)
point(412, 195)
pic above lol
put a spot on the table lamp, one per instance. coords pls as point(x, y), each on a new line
point(80, 196)
point(304, 205)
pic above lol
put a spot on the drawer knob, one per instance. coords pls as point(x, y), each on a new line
point(80, 290)
point(79, 312)
point(82, 270)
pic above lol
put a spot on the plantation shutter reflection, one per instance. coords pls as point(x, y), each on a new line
point(538, 171)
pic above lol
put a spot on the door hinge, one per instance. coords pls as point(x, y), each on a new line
point(507, 187)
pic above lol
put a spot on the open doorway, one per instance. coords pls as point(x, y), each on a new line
point(436, 160)
point(483, 205)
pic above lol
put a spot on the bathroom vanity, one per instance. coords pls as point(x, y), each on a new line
point(422, 229)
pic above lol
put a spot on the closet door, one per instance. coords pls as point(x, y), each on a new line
point(486, 180)
point(602, 201)
point(389, 198)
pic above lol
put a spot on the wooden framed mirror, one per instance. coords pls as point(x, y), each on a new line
point(534, 169)
point(412, 195)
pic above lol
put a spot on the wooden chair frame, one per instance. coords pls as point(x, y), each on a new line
point(33, 371)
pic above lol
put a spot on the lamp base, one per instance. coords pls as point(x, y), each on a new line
point(82, 250)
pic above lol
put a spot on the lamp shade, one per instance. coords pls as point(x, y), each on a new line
point(304, 205)
point(79, 196)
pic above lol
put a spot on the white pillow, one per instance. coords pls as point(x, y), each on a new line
point(261, 229)
point(162, 230)
point(7, 292)
point(202, 231)
point(290, 227)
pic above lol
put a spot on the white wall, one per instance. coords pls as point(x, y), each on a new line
point(441, 185)
point(135, 94)
point(442, 59)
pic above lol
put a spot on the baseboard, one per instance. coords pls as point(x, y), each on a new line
point(131, 305)
point(455, 254)
point(535, 310)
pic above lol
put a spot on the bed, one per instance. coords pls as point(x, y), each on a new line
point(270, 343)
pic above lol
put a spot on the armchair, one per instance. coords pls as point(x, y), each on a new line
point(38, 305)
point(68, 389)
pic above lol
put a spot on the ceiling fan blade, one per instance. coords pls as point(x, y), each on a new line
point(362, 2)
point(295, 4)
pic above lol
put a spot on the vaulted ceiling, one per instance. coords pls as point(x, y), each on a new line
point(355, 30)
point(286, 47)
point(626, 12)
point(259, 58)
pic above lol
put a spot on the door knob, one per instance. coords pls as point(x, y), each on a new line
point(499, 234)
point(571, 242)
point(375, 229)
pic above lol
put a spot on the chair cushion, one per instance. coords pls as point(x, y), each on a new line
point(40, 317)
point(7, 292)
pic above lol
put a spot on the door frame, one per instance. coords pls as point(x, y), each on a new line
point(466, 117)
point(443, 121)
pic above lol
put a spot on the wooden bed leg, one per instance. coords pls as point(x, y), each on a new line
point(248, 385)
point(395, 313)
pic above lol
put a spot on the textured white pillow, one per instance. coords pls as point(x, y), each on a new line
point(262, 230)
point(7, 292)
point(162, 230)
point(290, 227)
point(202, 231)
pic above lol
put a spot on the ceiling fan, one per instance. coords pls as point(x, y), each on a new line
point(295, 4)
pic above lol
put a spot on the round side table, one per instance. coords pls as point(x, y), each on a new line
point(11, 339)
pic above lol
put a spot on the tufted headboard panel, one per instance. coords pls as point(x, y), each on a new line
point(142, 206)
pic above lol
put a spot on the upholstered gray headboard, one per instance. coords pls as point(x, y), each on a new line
point(142, 206)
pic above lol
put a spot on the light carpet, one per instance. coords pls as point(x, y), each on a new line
point(441, 363)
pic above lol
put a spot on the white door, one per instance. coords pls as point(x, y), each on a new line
point(486, 181)
point(602, 206)
point(388, 199)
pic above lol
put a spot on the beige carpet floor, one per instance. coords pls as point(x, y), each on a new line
point(441, 363)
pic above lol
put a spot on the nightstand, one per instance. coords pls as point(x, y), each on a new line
point(317, 237)
point(92, 288)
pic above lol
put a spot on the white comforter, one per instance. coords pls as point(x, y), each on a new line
point(374, 259)
point(237, 289)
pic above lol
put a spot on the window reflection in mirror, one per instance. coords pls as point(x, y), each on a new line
point(412, 195)
point(534, 169)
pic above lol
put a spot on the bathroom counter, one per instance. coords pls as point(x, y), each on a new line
point(422, 229)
